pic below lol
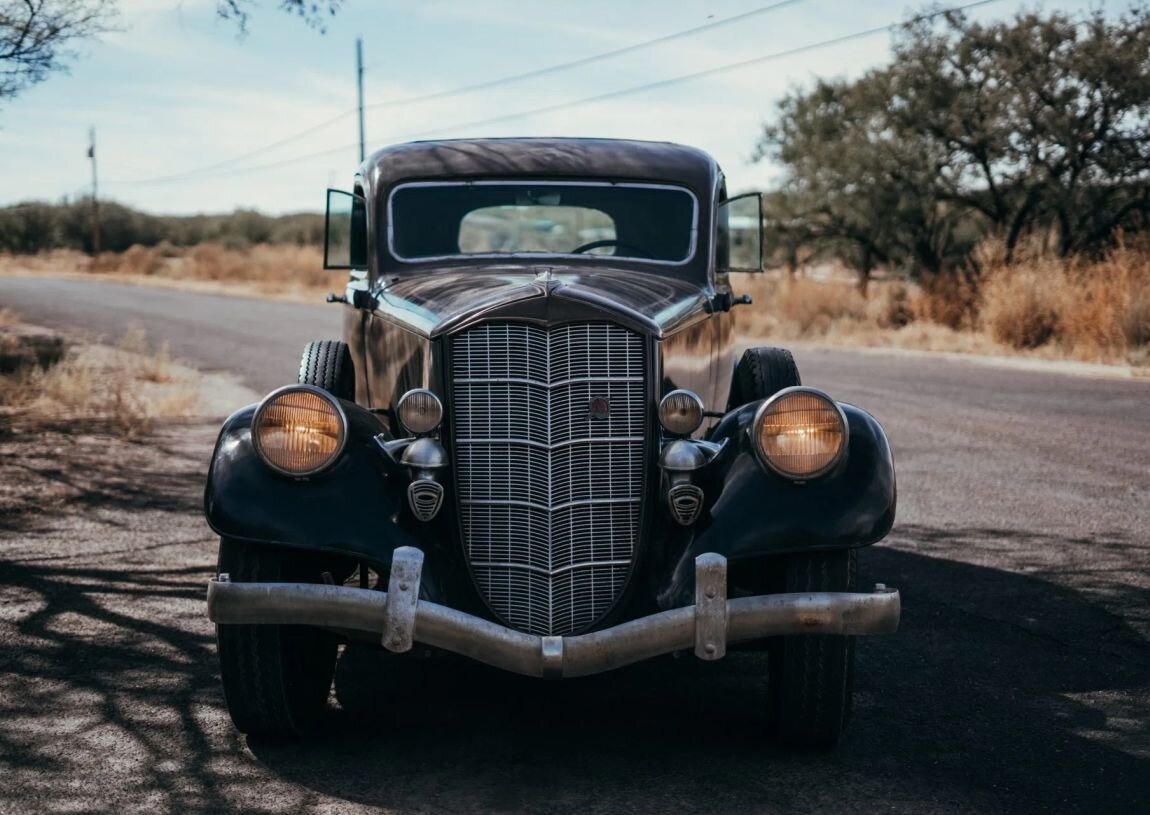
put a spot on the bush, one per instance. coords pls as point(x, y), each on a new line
point(36, 226)
point(950, 299)
point(1021, 308)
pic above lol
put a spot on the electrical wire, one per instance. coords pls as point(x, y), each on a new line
point(480, 86)
point(578, 63)
point(662, 83)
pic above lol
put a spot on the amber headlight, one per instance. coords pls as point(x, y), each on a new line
point(800, 433)
point(681, 412)
point(420, 411)
point(299, 430)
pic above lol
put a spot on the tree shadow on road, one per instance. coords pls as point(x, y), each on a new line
point(83, 466)
point(1001, 691)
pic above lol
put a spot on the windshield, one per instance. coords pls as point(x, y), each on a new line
point(493, 218)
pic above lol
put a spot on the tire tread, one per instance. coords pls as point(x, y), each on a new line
point(761, 373)
point(327, 364)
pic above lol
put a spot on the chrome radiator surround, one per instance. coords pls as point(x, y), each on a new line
point(548, 432)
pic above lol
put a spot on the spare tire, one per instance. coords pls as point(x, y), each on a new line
point(761, 373)
point(327, 364)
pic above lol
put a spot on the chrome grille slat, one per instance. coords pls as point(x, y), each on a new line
point(549, 496)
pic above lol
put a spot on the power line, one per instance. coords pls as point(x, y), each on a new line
point(721, 69)
point(578, 63)
point(480, 86)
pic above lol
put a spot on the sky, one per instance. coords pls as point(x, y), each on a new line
point(184, 106)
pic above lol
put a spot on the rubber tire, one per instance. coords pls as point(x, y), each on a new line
point(761, 373)
point(811, 679)
point(327, 364)
point(276, 678)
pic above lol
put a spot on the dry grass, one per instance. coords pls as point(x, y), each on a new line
point(281, 271)
point(123, 389)
point(1094, 311)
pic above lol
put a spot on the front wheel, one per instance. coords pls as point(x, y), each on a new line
point(811, 681)
point(276, 678)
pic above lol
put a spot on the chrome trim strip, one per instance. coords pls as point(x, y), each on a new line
point(513, 502)
point(691, 248)
point(559, 445)
point(550, 573)
point(551, 386)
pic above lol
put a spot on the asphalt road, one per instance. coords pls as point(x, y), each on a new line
point(1020, 681)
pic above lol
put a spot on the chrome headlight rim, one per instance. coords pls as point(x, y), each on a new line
point(411, 394)
point(270, 399)
point(761, 415)
point(691, 395)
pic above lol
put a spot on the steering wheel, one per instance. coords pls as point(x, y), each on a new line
point(587, 247)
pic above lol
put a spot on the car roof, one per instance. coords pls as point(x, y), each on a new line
point(556, 158)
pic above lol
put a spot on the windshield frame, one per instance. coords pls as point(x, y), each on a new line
point(692, 247)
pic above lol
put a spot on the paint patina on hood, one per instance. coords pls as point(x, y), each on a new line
point(438, 302)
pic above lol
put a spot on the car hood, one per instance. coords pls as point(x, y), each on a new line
point(437, 302)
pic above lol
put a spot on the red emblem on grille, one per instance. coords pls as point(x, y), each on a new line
point(600, 408)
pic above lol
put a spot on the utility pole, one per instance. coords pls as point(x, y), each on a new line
point(95, 193)
point(359, 89)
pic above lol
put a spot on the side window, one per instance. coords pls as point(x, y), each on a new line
point(740, 234)
point(345, 231)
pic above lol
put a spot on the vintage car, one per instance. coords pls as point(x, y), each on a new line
point(537, 446)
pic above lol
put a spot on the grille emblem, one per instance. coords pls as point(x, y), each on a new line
point(600, 408)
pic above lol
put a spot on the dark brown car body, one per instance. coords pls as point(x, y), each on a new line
point(404, 321)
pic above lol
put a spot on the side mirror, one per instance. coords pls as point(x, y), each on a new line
point(741, 233)
point(345, 231)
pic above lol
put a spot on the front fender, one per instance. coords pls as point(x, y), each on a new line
point(759, 512)
point(753, 513)
point(348, 510)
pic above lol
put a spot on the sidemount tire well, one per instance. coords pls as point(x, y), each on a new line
point(276, 678)
point(810, 686)
point(327, 364)
point(761, 373)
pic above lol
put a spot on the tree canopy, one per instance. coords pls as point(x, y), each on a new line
point(973, 130)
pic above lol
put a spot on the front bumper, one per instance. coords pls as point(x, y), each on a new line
point(401, 619)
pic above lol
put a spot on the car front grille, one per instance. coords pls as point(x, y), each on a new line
point(548, 437)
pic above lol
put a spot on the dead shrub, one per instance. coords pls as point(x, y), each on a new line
point(1098, 310)
point(1020, 306)
point(151, 366)
point(812, 308)
point(124, 388)
point(891, 306)
point(948, 298)
point(1137, 325)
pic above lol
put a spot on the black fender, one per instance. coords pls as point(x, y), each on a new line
point(752, 513)
point(356, 509)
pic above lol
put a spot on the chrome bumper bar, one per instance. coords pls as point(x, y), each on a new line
point(401, 619)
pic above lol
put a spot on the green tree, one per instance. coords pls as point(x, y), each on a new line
point(1045, 119)
point(972, 130)
point(856, 188)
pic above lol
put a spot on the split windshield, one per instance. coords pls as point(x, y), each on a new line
point(634, 221)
